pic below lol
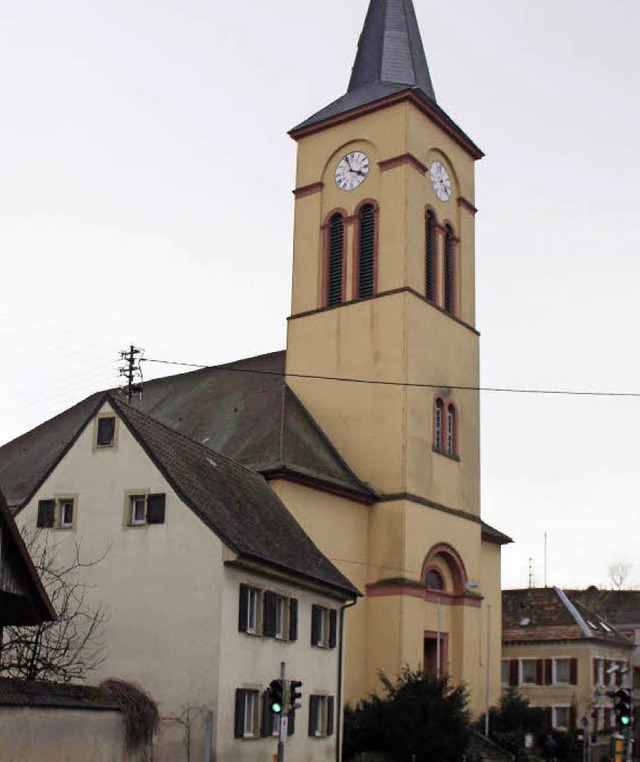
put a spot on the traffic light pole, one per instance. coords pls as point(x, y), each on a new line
point(284, 709)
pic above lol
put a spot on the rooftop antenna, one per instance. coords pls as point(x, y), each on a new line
point(545, 559)
point(530, 572)
point(131, 371)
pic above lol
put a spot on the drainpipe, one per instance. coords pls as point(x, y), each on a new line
point(340, 670)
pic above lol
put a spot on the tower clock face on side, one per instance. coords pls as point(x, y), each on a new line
point(440, 180)
point(352, 170)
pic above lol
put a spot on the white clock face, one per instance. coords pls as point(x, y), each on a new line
point(440, 180)
point(352, 170)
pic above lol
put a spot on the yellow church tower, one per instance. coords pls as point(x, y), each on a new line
point(383, 351)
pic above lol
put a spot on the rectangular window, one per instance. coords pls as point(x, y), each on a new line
point(263, 612)
point(105, 431)
point(321, 716)
point(324, 626)
point(137, 510)
point(560, 717)
point(143, 509)
point(561, 671)
point(527, 672)
point(66, 513)
point(246, 716)
point(59, 513)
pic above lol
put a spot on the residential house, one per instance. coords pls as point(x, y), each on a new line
point(562, 656)
point(208, 581)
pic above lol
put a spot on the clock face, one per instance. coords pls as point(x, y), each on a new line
point(440, 180)
point(352, 170)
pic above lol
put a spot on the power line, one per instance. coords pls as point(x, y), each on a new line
point(494, 389)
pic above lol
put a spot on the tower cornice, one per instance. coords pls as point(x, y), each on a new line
point(411, 95)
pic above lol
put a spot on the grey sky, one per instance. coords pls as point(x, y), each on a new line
point(146, 198)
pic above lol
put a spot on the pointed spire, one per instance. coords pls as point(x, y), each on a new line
point(390, 59)
point(390, 49)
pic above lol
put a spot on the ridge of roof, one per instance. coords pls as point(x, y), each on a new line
point(235, 502)
point(574, 612)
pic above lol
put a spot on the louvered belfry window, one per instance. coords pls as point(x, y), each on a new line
point(335, 260)
point(430, 257)
point(366, 250)
point(449, 270)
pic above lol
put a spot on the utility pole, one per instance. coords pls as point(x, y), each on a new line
point(131, 371)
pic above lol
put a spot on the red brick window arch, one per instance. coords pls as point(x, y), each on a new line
point(366, 255)
point(445, 426)
point(334, 275)
point(431, 267)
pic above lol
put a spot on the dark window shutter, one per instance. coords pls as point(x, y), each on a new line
point(313, 713)
point(572, 716)
point(106, 430)
point(335, 260)
point(595, 671)
point(367, 244)
point(539, 671)
point(243, 614)
point(46, 513)
point(548, 716)
point(548, 672)
point(513, 672)
point(155, 509)
point(449, 271)
point(333, 628)
point(430, 258)
point(239, 716)
point(573, 671)
point(266, 726)
point(330, 713)
point(269, 620)
point(316, 614)
point(293, 619)
point(291, 726)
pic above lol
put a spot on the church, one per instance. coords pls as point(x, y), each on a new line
point(367, 426)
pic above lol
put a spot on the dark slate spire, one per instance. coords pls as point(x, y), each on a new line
point(390, 49)
point(390, 59)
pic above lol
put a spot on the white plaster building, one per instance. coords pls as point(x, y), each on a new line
point(208, 581)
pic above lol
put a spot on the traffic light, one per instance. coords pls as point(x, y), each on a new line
point(275, 696)
point(622, 708)
point(295, 695)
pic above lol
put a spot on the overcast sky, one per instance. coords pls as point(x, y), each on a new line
point(145, 197)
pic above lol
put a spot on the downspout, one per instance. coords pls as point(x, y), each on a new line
point(340, 671)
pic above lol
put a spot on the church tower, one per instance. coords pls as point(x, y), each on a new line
point(383, 351)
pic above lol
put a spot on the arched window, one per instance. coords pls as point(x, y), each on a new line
point(335, 259)
point(438, 415)
point(449, 270)
point(450, 447)
point(366, 250)
point(434, 580)
point(430, 257)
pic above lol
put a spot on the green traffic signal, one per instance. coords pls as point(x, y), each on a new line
point(274, 692)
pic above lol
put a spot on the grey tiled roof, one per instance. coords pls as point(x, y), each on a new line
point(233, 501)
point(243, 410)
point(390, 59)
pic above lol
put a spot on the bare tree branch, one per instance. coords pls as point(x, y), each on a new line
point(69, 648)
